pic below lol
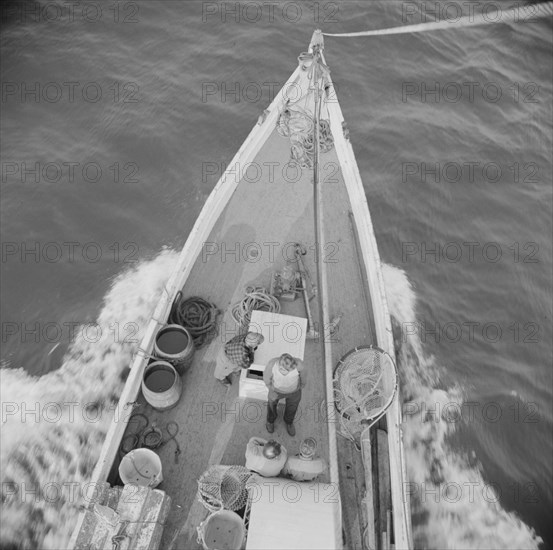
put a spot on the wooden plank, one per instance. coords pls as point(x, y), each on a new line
point(114, 495)
point(351, 518)
point(129, 509)
point(368, 501)
point(153, 518)
point(142, 513)
point(94, 530)
point(384, 489)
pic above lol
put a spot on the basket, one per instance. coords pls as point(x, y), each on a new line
point(222, 530)
point(224, 487)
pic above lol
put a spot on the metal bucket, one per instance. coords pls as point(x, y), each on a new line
point(161, 385)
point(141, 467)
point(175, 344)
point(222, 530)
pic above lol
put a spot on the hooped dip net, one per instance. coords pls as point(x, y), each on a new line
point(224, 487)
point(365, 384)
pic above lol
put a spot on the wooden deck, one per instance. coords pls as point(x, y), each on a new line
point(245, 232)
point(214, 424)
point(261, 206)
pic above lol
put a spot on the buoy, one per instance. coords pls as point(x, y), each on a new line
point(141, 467)
point(175, 345)
point(221, 530)
point(161, 385)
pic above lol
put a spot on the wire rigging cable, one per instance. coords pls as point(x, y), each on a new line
point(514, 15)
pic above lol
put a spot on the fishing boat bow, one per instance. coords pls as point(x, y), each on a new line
point(294, 185)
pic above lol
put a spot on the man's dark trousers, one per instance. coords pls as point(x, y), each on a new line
point(292, 402)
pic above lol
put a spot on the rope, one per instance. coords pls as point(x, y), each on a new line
point(544, 9)
point(196, 315)
point(151, 438)
point(256, 298)
point(173, 438)
point(297, 124)
point(120, 536)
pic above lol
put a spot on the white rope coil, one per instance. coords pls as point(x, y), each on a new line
point(256, 298)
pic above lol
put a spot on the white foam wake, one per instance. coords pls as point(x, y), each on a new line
point(53, 426)
point(452, 506)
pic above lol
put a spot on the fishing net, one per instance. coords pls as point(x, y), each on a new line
point(365, 382)
point(297, 125)
point(224, 487)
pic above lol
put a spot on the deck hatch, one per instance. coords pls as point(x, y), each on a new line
point(291, 515)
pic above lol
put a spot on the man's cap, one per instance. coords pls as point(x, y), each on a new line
point(271, 449)
point(308, 447)
point(254, 339)
point(287, 358)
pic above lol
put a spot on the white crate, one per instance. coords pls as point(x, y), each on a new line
point(283, 334)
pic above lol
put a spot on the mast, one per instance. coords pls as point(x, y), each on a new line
point(317, 198)
point(316, 46)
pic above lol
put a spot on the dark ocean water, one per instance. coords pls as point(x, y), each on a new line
point(160, 90)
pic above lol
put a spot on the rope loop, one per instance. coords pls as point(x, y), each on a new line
point(297, 124)
point(196, 315)
point(255, 298)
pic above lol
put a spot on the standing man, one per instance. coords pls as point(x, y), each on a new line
point(236, 354)
point(285, 378)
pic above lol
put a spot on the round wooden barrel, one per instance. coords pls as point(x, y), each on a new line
point(175, 345)
point(161, 385)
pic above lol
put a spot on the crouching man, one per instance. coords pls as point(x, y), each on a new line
point(267, 458)
point(236, 354)
point(305, 466)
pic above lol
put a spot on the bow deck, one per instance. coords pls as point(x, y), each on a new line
point(260, 206)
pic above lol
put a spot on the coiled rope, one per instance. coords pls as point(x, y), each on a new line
point(297, 124)
point(514, 15)
point(150, 438)
point(196, 315)
point(256, 298)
